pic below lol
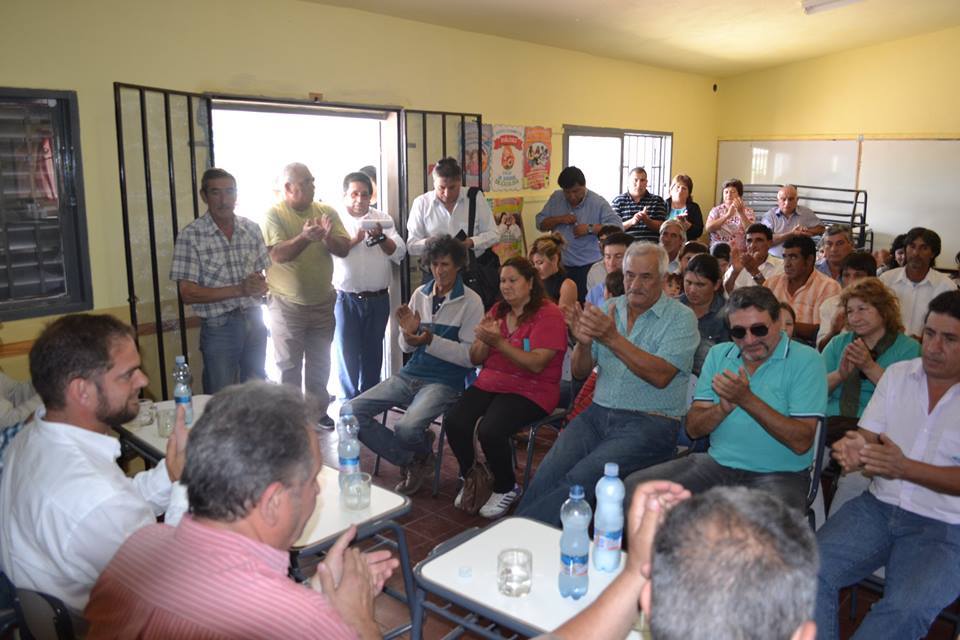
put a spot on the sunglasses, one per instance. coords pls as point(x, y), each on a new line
point(758, 330)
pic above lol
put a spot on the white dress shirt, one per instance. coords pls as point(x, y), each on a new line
point(769, 268)
point(898, 408)
point(366, 268)
point(915, 297)
point(828, 311)
point(429, 217)
point(66, 507)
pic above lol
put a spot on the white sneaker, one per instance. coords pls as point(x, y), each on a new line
point(498, 503)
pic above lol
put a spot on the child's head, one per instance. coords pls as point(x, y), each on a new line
point(788, 318)
point(673, 285)
point(613, 284)
point(721, 251)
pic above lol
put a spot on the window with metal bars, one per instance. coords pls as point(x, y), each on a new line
point(44, 262)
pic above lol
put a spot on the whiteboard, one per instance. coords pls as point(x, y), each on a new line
point(825, 163)
point(913, 183)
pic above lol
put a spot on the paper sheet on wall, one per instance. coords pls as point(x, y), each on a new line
point(506, 168)
point(507, 216)
point(478, 155)
point(538, 148)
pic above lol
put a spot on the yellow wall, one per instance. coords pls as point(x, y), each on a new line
point(287, 48)
point(904, 88)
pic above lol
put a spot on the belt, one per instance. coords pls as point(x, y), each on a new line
point(367, 294)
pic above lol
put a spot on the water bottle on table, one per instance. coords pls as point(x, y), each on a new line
point(182, 391)
point(348, 450)
point(608, 521)
point(574, 545)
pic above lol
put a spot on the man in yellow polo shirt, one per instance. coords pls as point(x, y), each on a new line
point(301, 235)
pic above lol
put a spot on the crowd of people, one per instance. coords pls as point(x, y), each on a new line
point(744, 348)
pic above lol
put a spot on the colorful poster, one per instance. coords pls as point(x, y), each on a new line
point(506, 168)
point(478, 156)
point(507, 216)
point(538, 148)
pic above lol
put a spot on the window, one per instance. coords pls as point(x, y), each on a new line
point(606, 157)
point(44, 264)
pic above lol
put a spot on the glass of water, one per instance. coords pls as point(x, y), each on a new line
point(355, 493)
point(165, 421)
point(514, 572)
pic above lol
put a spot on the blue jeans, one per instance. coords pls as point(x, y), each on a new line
point(632, 439)
point(922, 559)
point(424, 401)
point(361, 321)
point(234, 348)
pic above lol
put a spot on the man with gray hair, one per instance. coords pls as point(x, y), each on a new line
point(759, 398)
point(302, 236)
point(836, 244)
point(672, 237)
point(729, 563)
point(251, 474)
point(790, 219)
point(644, 344)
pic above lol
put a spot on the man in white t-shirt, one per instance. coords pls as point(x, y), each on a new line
point(362, 280)
point(65, 504)
point(756, 265)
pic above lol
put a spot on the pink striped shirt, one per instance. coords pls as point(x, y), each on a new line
point(196, 581)
point(807, 299)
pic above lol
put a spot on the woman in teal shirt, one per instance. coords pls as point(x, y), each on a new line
point(857, 358)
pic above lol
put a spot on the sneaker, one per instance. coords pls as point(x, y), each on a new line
point(326, 423)
point(413, 475)
point(459, 499)
point(498, 503)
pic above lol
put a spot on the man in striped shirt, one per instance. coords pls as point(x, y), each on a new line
point(642, 212)
point(251, 473)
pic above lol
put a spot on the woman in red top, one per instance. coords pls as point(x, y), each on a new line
point(520, 344)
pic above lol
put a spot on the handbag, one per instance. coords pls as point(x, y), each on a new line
point(478, 483)
point(482, 274)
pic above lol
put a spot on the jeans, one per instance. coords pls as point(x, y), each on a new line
point(234, 348)
point(699, 472)
point(424, 401)
point(301, 343)
point(922, 559)
point(579, 276)
point(500, 415)
point(632, 439)
point(360, 323)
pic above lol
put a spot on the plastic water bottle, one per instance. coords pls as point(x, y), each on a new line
point(574, 545)
point(608, 521)
point(349, 448)
point(182, 392)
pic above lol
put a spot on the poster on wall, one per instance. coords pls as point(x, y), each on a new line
point(506, 166)
point(538, 148)
point(507, 216)
point(477, 169)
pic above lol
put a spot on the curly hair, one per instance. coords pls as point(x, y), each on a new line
point(549, 246)
point(877, 295)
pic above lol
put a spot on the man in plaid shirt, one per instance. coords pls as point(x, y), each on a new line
point(218, 265)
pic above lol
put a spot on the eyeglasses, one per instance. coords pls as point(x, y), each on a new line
point(758, 330)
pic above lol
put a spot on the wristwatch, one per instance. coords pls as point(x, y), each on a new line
point(758, 278)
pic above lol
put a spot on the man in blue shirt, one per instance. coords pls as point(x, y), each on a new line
point(577, 214)
point(643, 347)
point(759, 400)
point(789, 220)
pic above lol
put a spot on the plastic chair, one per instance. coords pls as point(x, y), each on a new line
point(39, 616)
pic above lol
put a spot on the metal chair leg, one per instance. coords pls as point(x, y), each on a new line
point(439, 460)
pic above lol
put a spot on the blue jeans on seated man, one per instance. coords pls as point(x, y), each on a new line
point(424, 401)
point(361, 324)
point(699, 472)
point(234, 348)
point(922, 559)
point(632, 439)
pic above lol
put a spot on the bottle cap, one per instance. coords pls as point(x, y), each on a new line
point(576, 492)
point(611, 469)
point(180, 360)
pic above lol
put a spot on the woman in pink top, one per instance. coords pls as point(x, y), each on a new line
point(520, 344)
point(728, 221)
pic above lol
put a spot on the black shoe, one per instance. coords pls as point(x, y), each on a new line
point(326, 423)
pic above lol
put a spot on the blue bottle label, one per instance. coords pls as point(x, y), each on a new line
point(573, 565)
point(349, 465)
point(607, 540)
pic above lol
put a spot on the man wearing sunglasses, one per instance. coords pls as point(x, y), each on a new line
point(759, 400)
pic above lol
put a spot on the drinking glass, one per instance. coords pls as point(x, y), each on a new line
point(514, 572)
point(355, 493)
point(165, 420)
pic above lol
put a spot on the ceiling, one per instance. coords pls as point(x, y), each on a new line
point(711, 37)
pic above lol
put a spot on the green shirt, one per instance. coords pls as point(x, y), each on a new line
point(793, 381)
point(305, 279)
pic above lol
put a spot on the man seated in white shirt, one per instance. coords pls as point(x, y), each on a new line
point(909, 519)
point(65, 505)
point(753, 266)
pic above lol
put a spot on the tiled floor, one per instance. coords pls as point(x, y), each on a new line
point(433, 520)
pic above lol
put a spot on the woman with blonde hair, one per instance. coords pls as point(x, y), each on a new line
point(545, 254)
point(857, 357)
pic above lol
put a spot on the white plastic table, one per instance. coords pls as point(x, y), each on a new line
point(466, 575)
point(145, 440)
